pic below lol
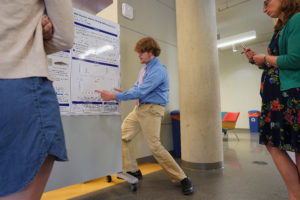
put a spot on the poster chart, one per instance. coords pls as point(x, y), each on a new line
point(92, 64)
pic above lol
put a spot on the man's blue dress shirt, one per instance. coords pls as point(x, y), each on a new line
point(154, 87)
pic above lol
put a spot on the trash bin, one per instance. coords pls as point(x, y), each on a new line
point(254, 120)
point(175, 117)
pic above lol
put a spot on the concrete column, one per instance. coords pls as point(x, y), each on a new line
point(200, 113)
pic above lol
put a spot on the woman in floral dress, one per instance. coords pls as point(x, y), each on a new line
point(280, 91)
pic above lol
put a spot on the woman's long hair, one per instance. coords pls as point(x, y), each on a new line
point(289, 8)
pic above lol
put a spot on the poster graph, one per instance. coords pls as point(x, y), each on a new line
point(93, 63)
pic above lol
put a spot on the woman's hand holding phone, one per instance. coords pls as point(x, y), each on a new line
point(248, 53)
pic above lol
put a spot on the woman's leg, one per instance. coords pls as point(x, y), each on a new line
point(36, 188)
point(288, 171)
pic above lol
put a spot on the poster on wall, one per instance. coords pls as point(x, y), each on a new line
point(93, 63)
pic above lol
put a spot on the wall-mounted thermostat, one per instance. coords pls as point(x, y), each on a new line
point(127, 11)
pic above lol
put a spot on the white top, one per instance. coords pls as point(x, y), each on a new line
point(22, 48)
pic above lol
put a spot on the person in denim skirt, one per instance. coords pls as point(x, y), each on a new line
point(31, 132)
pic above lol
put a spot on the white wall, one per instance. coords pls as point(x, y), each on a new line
point(239, 80)
point(240, 83)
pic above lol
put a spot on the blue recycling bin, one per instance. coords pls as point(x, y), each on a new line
point(254, 120)
point(175, 117)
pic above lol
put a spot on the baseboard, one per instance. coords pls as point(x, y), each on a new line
point(241, 130)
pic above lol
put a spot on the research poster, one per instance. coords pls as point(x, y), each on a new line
point(93, 63)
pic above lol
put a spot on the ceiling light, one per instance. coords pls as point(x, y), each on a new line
point(231, 40)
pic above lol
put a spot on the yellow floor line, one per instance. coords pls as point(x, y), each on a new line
point(93, 185)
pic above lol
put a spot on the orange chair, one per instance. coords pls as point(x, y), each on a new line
point(229, 120)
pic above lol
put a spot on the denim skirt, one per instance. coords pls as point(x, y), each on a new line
point(30, 130)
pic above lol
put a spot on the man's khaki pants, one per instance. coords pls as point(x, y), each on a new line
point(146, 118)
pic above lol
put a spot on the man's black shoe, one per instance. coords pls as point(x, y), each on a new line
point(137, 174)
point(187, 186)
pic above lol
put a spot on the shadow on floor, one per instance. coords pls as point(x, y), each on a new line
point(248, 174)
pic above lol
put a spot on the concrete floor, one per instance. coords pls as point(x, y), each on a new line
point(248, 174)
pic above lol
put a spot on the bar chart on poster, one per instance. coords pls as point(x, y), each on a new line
point(93, 63)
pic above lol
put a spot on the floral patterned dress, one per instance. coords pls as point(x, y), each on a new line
point(280, 112)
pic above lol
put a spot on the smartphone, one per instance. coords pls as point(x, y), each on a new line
point(244, 46)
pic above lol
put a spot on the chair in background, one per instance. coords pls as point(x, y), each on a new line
point(229, 120)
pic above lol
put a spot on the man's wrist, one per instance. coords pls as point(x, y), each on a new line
point(113, 95)
point(117, 96)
